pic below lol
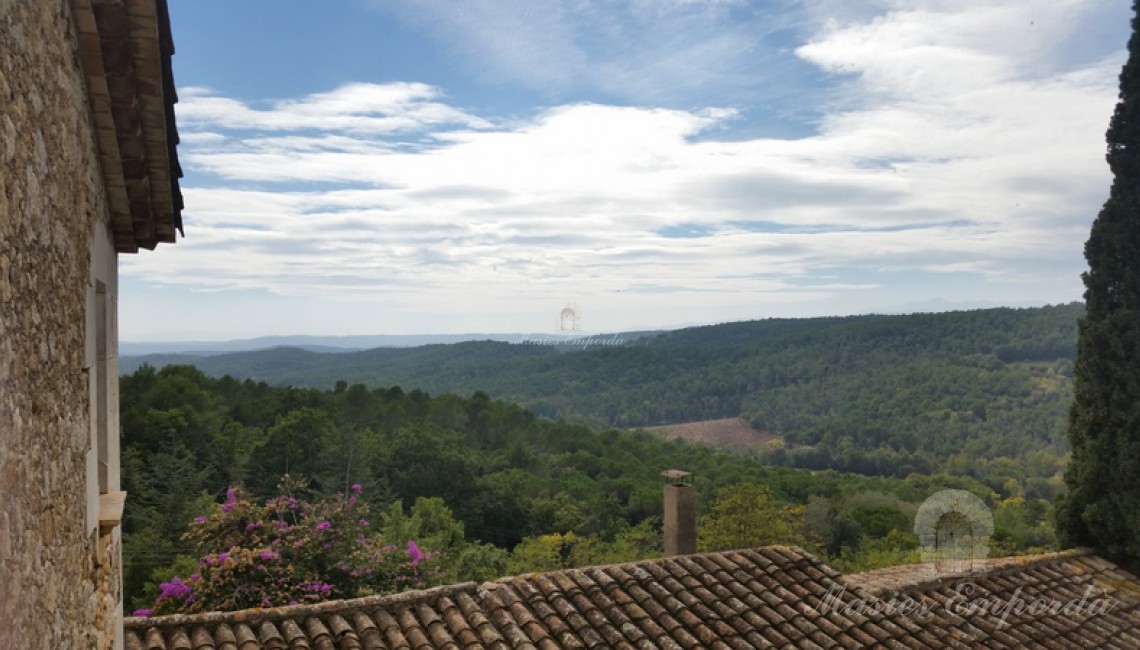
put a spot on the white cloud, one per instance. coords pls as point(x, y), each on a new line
point(353, 108)
point(202, 137)
point(952, 151)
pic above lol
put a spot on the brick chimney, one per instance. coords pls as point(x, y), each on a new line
point(680, 513)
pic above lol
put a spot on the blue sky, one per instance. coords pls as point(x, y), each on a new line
point(436, 166)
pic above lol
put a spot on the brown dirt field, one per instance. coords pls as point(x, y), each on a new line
point(730, 433)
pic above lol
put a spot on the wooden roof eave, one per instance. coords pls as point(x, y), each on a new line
point(125, 48)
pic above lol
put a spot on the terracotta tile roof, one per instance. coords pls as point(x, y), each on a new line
point(1054, 600)
point(773, 597)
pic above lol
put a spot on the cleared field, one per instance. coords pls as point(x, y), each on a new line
point(729, 433)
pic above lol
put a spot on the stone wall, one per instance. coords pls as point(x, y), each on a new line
point(51, 203)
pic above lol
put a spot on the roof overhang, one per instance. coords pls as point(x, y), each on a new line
point(125, 48)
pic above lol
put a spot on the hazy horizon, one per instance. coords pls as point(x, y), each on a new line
point(933, 306)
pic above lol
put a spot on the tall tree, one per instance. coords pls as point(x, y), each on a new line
point(746, 515)
point(1102, 506)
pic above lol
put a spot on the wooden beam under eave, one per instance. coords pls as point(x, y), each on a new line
point(149, 71)
point(124, 49)
point(90, 47)
point(142, 213)
point(126, 244)
point(119, 65)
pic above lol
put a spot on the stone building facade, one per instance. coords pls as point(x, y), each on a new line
point(88, 170)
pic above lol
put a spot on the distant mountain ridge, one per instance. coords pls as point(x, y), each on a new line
point(349, 343)
point(856, 393)
point(312, 343)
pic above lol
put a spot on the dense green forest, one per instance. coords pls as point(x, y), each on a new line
point(982, 392)
point(491, 485)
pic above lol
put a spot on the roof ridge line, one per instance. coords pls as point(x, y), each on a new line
point(497, 583)
point(994, 567)
point(258, 614)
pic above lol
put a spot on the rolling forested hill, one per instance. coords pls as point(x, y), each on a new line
point(901, 405)
point(489, 485)
point(870, 394)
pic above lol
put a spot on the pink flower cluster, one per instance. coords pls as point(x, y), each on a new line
point(290, 551)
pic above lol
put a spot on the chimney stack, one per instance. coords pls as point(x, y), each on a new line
point(680, 513)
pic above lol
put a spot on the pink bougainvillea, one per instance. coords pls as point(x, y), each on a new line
point(288, 551)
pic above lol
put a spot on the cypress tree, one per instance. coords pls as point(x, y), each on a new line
point(1102, 506)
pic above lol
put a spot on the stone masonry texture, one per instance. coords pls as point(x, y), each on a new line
point(51, 200)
